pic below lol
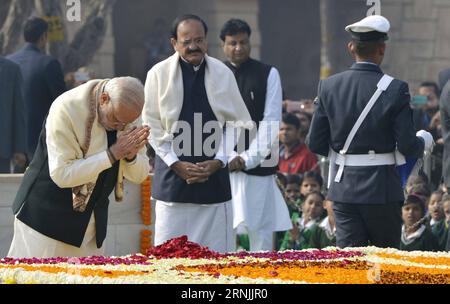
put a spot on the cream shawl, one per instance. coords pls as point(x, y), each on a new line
point(164, 97)
point(74, 132)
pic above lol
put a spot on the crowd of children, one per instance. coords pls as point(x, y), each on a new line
point(425, 223)
point(425, 214)
point(311, 214)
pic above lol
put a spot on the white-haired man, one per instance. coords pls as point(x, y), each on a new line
point(90, 141)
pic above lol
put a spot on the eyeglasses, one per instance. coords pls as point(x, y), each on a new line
point(118, 125)
point(112, 119)
point(186, 43)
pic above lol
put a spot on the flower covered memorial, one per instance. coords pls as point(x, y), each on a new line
point(181, 261)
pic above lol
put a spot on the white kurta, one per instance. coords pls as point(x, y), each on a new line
point(28, 243)
point(207, 225)
point(257, 201)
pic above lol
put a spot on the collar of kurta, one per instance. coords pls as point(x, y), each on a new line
point(242, 66)
point(164, 97)
point(194, 68)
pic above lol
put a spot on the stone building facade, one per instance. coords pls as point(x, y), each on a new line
point(286, 34)
point(420, 44)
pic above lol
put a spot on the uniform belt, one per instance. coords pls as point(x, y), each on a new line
point(369, 159)
point(363, 160)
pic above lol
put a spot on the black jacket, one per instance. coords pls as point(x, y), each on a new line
point(43, 82)
point(444, 107)
point(12, 112)
point(251, 78)
point(47, 208)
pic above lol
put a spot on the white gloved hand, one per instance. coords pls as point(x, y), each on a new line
point(428, 139)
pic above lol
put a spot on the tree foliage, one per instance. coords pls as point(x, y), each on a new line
point(72, 54)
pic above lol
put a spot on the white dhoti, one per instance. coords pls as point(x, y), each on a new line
point(259, 207)
point(28, 243)
point(207, 225)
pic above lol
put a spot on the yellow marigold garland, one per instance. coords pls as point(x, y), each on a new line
point(417, 259)
point(146, 214)
point(85, 272)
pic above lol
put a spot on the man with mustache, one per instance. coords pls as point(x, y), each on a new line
point(191, 185)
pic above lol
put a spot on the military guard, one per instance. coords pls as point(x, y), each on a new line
point(363, 121)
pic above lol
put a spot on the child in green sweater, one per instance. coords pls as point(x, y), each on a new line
point(311, 181)
point(324, 234)
point(292, 192)
point(446, 208)
point(415, 234)
point(297, 188)
point(303, 221)
point(438, 224)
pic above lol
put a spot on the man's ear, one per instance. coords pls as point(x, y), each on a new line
point(104, 99)
point(382, 48)
point(351, 47)
point(43, 40)
point(173, 41)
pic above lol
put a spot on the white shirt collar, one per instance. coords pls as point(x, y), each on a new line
point(196, 67)
point(408, 239)
point(433, 222)
point(308, 225)
point(367, 62)
point(325, 224)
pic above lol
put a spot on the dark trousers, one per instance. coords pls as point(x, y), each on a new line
point(5, 165)
point(359, 225)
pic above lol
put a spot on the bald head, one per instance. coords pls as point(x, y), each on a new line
point(127, 91)
point(121, 102)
